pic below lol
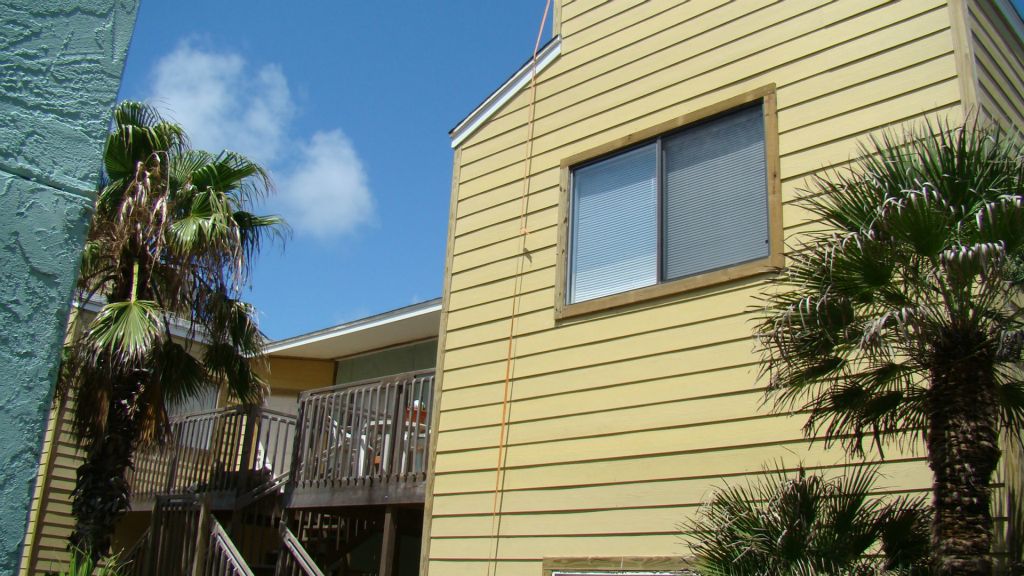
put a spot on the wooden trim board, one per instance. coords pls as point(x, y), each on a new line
point(435, 416)
point(775, 259)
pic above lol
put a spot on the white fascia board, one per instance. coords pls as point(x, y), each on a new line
point(351, 328)
point(502, 95)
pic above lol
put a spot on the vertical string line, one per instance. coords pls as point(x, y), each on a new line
point(506, 399)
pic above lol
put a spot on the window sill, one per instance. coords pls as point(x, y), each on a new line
point(737, 272)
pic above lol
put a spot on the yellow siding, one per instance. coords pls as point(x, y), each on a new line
point(999, 58)
point(622, 421)
point(297, 374)
point(51, 520)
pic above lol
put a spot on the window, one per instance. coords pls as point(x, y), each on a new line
point(687, 205)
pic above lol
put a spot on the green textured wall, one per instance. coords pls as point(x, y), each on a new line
point(60, 69)
point(409, 358)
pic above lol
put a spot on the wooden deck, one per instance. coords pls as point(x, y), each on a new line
point(359, 444)
point(364, 443)
point(224, 454)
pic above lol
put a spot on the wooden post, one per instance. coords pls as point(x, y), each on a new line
point(249, 448)
point(172, 468)
point(153, 546)
point(202, 537)
point(387, 548)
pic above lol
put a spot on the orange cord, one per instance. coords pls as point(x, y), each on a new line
point(517, 285)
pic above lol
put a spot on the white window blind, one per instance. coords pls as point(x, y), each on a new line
point(614, 225)
point(716, 205)
point(639, 219)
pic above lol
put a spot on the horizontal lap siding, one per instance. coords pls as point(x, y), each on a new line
point(999, 56)
point(623, 421)
point(52, 519)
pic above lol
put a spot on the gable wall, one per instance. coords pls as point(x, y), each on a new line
point(999, 59)
point(622, 421)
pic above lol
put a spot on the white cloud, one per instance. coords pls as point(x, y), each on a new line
point(223, 104)
point(326, 191)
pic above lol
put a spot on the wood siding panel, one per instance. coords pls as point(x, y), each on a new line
point(825, 47)
point(620, 422)
point(52, 521)
point(999, 58)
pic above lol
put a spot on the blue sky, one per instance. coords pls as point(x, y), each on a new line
point(349, 104)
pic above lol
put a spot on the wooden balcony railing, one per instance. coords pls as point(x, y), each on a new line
point(371, 433)
point(228, 451)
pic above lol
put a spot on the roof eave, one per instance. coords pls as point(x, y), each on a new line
point(503, 94)
point(356, 326)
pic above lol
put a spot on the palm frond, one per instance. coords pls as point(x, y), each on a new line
point(803, 523)
point(126, 330)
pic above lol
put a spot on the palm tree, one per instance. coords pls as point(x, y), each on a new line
point(900, 319)
point(805, 524)
point(171, 241)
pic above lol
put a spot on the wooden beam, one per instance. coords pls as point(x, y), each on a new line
point(387, 547)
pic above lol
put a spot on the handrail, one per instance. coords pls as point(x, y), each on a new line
point(366, 381)
point(223, 557)
point(298, 554)
point(232, 449)
point(373, 431)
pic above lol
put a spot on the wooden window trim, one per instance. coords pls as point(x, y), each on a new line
point(773, 261)
point(617, 565)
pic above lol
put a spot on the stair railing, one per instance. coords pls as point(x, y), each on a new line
point(222, 558)
point(294, 560)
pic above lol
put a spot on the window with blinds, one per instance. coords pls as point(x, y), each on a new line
point(680, 205)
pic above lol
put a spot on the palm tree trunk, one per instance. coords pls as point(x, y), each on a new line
point(101, 492)
point(963, 451)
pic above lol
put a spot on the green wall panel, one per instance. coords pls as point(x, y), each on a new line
point(60, 69)
point(418, 356)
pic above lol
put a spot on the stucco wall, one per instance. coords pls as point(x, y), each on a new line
point(60, 70)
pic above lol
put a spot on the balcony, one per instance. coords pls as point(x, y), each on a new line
point(229, 454)
point(364, 443)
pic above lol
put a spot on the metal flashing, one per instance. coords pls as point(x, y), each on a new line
point(503, 94)
point(360, 325)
